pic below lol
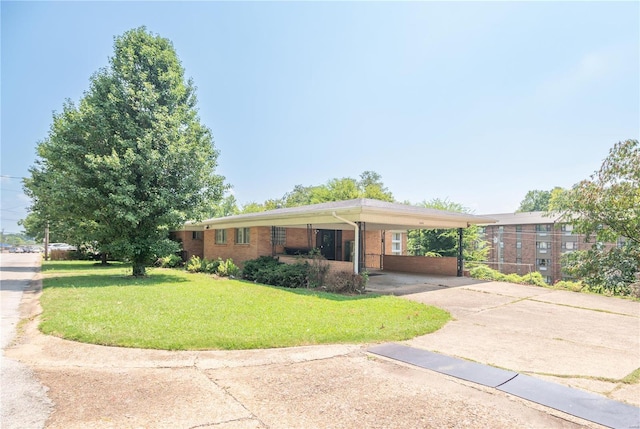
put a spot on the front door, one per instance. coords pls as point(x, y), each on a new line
point(326, 242)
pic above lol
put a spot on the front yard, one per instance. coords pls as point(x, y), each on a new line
point(176, 310)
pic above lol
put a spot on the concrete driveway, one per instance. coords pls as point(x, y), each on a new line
point(343, 386)
point(576, 339)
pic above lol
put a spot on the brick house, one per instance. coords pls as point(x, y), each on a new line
point(354, 234)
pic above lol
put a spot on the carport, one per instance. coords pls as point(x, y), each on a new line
point(358, 215)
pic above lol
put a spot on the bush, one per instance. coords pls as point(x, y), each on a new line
point(227, 268)
point(171, 261)
point(194, 264)
point(346, 282)
point(483, 272)
point(569, 285)
point(252, 267)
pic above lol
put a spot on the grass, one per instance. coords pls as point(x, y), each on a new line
point(176, 310)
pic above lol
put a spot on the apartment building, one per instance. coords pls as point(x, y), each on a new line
point(530, 241)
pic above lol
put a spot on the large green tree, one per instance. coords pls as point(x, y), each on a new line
point(606, 208)
point(444, 242)
point(132, 160)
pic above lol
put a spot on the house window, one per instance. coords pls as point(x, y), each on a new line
point(221, 236)
point(197, 235)
point(396, 243)
point(518, 244)
point(278, 235)
point(242, 235)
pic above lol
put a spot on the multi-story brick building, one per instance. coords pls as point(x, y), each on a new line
point(531, 241)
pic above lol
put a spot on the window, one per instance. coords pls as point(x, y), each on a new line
point(566, 228)
point(518, 228)
point(242, 235)
point(569, 245)
point(543, 245)
point(396, 243)
point(542, 264)
point(518, 244)
point(543, 228)
point(221, 236)
point(197, 235)
point(278, 235)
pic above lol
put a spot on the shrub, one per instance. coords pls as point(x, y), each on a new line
point(346, 282)
point(194, 264)
point(318, 269)
point(170, 261)
point(227, 268)
point(252, 267)
point(483, 272)
point(270, 271)
point(569, 285)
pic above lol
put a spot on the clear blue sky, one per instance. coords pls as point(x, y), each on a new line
point(477, 102)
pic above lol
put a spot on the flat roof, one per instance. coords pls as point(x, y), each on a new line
point(523, 218)
point(378, 215)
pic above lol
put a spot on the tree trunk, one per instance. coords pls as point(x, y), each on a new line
point(138, 269)
point(103, 258)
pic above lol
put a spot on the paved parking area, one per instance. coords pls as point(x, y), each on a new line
point(581, 340)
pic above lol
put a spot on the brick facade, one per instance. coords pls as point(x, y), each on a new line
point(530, 247)
point(445, 266)
point(296, 238)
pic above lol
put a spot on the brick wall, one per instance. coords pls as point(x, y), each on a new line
point(445, 266)
point(189, 245)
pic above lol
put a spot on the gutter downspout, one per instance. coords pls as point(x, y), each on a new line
point(356, 251)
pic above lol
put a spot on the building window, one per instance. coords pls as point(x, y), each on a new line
point(197, 235)
point(396, 243)
point(221, 236)
point(242, 235)
point(518, 244)
point(543, 228)
point(278, 235)
point(566, 228)
point(542, 264)
point(568, 245)
point(518, 228)
point(542, 245)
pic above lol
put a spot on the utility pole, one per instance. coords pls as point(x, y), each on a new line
point(46, 242)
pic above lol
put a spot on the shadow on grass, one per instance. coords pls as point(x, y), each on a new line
point(110, 279)
point(318, 293)
point(81, 265)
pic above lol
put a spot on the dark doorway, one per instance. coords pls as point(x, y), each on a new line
point(329, 241)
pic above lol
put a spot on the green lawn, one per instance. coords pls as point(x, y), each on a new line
point(176, 310)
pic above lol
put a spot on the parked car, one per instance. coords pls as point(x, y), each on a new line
point(61, 246)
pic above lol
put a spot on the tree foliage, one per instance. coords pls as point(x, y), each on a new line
point(132, 160)
point(370, 185)
point(537, 200)
point(444, 242)
point(606, 208)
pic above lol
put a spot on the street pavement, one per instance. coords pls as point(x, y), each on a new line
point(23, 400)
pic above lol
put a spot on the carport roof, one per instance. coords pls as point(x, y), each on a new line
point(378, 215)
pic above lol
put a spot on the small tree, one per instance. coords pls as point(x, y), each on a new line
point(606, 207)
point(132, 160)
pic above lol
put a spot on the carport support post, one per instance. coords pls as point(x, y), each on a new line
point(460, 258)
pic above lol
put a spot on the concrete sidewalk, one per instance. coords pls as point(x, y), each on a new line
point(532, 330)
